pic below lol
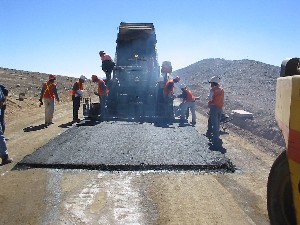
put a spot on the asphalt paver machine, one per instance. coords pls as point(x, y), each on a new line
point(134, 87)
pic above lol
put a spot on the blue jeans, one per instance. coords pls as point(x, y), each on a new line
point(102, 99)
point(184, 107)
point(213, 129)
point(2, 122)
point(3, 147)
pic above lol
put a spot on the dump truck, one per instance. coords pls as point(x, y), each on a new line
point(283, 188)
point(134, 88)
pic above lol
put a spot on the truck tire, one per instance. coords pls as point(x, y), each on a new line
point(279, 193)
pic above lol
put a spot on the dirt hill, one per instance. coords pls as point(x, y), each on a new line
point(249, 85)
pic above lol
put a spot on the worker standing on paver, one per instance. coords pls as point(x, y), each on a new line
point(215, 104)
point(188, 103)
point(168, 94)
point(3, 147)
point(102, 92)
point(107, 64)
point(77, 94)
point(49, 93)
point(2, 120)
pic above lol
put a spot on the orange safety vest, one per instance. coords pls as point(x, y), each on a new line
point(218, 97)
point(102, 88)
point(48, 90)
point(80, 87)
point(169, 87)
point(190, 97)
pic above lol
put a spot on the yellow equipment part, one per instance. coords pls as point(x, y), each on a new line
point(295, 180)
point(287, 114)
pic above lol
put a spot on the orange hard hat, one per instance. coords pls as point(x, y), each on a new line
point(52, 77)
point(94, 78)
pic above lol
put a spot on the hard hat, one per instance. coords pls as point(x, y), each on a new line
point(52, 77)
point(215, 80)
point(82, 77)
point(94, 78)
point(177, 79)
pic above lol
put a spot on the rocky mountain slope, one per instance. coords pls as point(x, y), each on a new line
point(249, 85)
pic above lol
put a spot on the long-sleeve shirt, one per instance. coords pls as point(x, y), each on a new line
point(4, 90)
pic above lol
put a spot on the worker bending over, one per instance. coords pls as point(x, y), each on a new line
point(49, 93)
point(215, 104)
point(107, 64)
point(168, 94)
point(102, 92)
point(188, 103)
point(77, 94)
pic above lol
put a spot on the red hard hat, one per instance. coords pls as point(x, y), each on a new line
point(94, 78)
point(52, 77)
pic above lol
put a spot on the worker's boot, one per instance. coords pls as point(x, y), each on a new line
point(6, 160)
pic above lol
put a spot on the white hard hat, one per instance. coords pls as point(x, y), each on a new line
point(82, 77)
point(215, 80)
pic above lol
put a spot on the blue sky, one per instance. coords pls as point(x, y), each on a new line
point(64, 37)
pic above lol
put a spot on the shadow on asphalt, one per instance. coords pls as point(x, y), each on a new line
point(67, 125)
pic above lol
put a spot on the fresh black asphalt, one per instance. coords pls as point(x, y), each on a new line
point(123, 145)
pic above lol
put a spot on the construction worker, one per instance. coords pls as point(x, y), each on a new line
point(168, 94)
point(102, 93)
point(77, 94)
point(107, 64)
point(3, 147)
point(49, 93)
point(188, 103)
point(215, 104)
point(5, 93)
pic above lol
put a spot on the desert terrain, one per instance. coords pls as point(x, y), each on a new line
point(54, 196)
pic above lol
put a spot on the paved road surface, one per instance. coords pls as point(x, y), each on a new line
point(120, 145)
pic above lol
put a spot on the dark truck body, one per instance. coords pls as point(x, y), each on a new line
point(134, 87)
